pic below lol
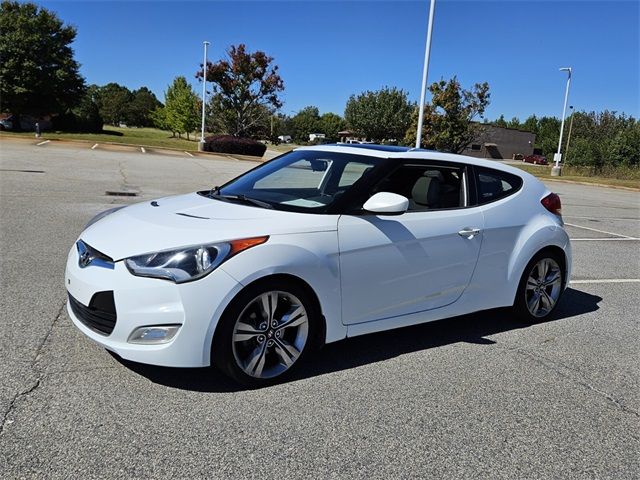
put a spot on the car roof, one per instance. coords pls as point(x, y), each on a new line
point(406, 153)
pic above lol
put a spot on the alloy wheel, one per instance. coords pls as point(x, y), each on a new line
point(270, 334)
point(543, 287)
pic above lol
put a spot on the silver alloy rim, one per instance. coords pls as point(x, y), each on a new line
point(543, 287)
point(270, 334)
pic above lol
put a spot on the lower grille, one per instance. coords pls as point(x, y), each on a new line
point(100, 316)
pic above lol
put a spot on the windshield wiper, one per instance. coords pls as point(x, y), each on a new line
point(245, 199)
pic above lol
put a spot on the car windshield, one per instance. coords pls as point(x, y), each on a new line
point(303, 180)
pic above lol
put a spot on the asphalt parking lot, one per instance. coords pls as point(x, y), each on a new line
point(480, 396)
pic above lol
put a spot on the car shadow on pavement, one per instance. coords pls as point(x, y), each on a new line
point(362, 350)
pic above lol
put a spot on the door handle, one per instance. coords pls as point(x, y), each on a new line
point(469, 232)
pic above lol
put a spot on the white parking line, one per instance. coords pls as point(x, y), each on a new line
point(603, 218)
point(596, 230)
point(94, 147)
point(143, 150)
point(42, 143)
point(606, 280)
point(626, 239)
point(188, 154)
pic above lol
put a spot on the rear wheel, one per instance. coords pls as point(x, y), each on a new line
point(540, 287)
point(265, 332)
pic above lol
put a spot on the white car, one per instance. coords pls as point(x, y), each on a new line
point(319, 244)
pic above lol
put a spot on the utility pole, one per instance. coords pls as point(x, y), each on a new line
point(566, 150)
point(425, 72)
point(204, 94)
point(556, 170)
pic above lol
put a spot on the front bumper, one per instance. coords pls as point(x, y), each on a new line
point(196, 306)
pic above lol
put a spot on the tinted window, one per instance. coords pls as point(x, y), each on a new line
point(427, 187)
point(494, 184)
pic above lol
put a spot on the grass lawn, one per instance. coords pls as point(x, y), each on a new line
point(151, 137)
point(283, 147)
point(544, 172)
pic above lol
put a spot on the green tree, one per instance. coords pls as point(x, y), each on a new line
point(531, 124)
point(379, 115)
point(38, 74)
point(514, 123)
point(625, 146)
point(448, 120)
point(246, 89)
point(304, 122)
point(547, 135)
point(114, 102)
point(500, 122)
point(181, 107)
point(143, 103)
point(330, 124)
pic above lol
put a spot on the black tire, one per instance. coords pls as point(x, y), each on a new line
point(222, 350)
point(520, 305)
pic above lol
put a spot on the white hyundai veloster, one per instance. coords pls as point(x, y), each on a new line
point(319, 244)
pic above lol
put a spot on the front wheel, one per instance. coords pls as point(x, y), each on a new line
point(265, 332)
point(540, 288)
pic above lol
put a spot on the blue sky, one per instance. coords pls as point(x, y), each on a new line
point(328, 50)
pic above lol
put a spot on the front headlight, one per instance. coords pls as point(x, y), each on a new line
point(188, 263)
point(101, 215)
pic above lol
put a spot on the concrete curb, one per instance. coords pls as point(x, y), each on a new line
point(149, 148)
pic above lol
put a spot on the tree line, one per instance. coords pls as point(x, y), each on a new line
point(245, 100)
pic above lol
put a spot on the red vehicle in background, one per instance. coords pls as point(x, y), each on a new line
point(535, 159)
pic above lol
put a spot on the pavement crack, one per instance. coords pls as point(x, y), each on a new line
point(34, 366)
point(561, 370)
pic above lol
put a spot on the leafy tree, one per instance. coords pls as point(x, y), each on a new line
point(531, 124)
point(330, 124)
point(87, 114)
point(143, 103)
point(500, 122)
point(304, 122)
point(625, 146)
point(181, 107)
point(246, 88)
point(514, 123)
point(114, 101)
point(379, 115)
point(547, 136)
point(38, 74)
point(448, 120)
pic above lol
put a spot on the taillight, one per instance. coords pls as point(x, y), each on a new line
point(552, 203)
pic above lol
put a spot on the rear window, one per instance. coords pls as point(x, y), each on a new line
point(494, 184)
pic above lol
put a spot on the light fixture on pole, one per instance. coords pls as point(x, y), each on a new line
point(566, 149)
point(204, 94)
point(556, 170)
point(425, 72)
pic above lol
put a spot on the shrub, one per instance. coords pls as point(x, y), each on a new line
point(235, 145)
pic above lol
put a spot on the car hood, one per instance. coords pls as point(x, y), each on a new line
point(192, 219)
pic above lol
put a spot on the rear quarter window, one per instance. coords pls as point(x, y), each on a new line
point(495, 184)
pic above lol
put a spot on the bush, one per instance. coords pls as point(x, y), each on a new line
point(234, 145)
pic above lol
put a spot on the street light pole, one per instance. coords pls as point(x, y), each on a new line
point(204, 94)
point(425, 72)
point(556, 171)
point(566, 150)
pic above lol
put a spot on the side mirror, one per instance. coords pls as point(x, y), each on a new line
point(318, 165)
point(386, 203)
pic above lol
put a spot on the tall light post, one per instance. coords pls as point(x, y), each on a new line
point(204, 94)
point(566, 149)
point(556, 171)
point(425, 72)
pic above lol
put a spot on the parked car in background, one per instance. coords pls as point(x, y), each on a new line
point(317, 245)
point(6, 122)
point(535, 159)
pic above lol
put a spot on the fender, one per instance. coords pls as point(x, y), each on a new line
point(312, 257)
